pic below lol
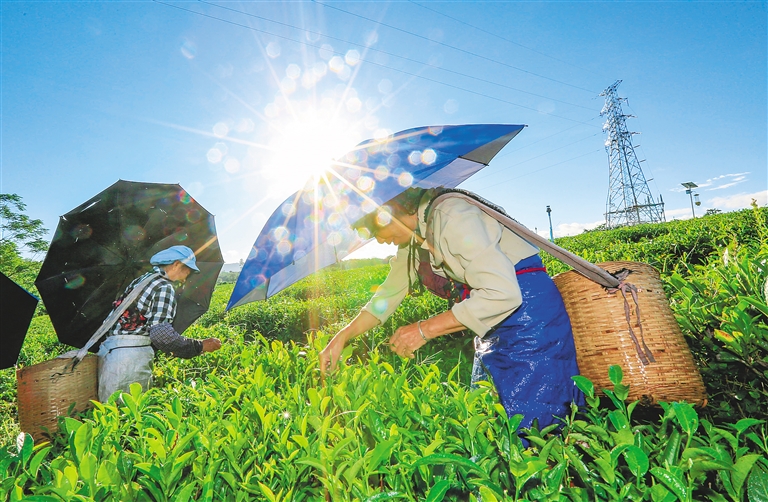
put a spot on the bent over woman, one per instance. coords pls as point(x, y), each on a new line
point(501, 290)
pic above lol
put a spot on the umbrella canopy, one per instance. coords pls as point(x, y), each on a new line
point(312, 230)
point(17, 307)
point(102, 245)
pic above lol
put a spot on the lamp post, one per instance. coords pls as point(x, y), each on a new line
point(689, 186)
point(549, 214)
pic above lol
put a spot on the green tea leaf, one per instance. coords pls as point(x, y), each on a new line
point(301, 441)
point(107, 474)
point(615, 374)
point(34, 464)
point(585, 385)
point(437, 492)
point(672, 482)
point(745, 423)
point(448, 458)
point(82, 440)
point(186, 492)
point(757, 485)
point(88, 467)
point(687, 417)
point(741, 470)
point(486, 494)
point(25, 450)
point(637, 460)
point(380, 453)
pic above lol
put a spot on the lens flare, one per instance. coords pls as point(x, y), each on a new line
point(134, 233)
point(74, 282)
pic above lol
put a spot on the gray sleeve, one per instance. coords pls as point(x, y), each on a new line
point(166, 339)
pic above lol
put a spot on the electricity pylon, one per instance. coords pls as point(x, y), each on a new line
point(629, 200)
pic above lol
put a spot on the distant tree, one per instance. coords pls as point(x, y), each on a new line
point(17, 228)
point(712, 211)
point(227, 277)
point(600, 228)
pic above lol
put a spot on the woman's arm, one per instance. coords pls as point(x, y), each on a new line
point(332, 352)
point(408, 339)
point(165, 339)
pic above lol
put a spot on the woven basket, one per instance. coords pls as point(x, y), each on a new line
point(603, 339)
point(47, 390)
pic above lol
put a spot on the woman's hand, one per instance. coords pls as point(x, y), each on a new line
point(407, 339)
point(331, 354)
point(329, 357)
point(211, 344)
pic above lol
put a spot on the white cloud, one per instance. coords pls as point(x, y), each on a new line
point(232, 256)
point(679, 214)
point(734, 179)
point(727, 185)
point(565, 229)
point(739, 201)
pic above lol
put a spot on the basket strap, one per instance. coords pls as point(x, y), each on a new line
point(644, 353)
point(114, 316)
point(582, 266)
point(610, 282)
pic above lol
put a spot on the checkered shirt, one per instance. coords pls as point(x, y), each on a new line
point(166, 339)
point(157, 303)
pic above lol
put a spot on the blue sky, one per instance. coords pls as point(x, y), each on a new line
point(240, 101)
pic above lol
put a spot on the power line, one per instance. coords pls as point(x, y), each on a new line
point(454, 47)
point(513, 150)
point(416, 75)
point(501, 38)
point(475, 178)
point(538, 170)
point(371, 49)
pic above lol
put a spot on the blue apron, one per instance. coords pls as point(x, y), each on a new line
point(531, 356)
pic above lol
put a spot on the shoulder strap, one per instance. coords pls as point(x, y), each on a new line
point(114, 316)
point(582, 266)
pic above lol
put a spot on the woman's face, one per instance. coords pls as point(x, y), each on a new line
point(397, 232)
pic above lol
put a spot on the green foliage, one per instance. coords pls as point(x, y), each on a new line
point(722, 307)
point(667, 246)
point(19, 231)
point(253, 421)
point(17, 228)
point(257, 423)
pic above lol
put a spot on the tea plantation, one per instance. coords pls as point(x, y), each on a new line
point(254, 421)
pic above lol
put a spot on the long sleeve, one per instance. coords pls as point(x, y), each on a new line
point(392, 291)
point(475, 249)
point(166, 339)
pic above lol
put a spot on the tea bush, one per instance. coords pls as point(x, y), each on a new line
point(254, 421)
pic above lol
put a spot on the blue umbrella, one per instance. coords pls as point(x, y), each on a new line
point(311, 228)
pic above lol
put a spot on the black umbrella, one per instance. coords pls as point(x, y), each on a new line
point(103, 244)
point(17, 307)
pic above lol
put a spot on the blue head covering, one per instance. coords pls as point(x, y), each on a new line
point(176, 253)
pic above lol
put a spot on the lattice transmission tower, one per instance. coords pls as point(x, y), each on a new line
point(629, 200)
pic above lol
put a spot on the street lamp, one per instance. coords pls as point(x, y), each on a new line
point(549, 213)
point(689, 186)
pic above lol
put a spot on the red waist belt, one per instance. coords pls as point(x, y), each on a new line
point(532, 269)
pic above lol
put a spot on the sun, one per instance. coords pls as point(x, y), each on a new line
point(306, 145)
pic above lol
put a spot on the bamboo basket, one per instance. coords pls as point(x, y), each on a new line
point(48, 389)
point(602, 336)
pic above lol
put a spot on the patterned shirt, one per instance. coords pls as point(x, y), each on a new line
point(157, 304)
